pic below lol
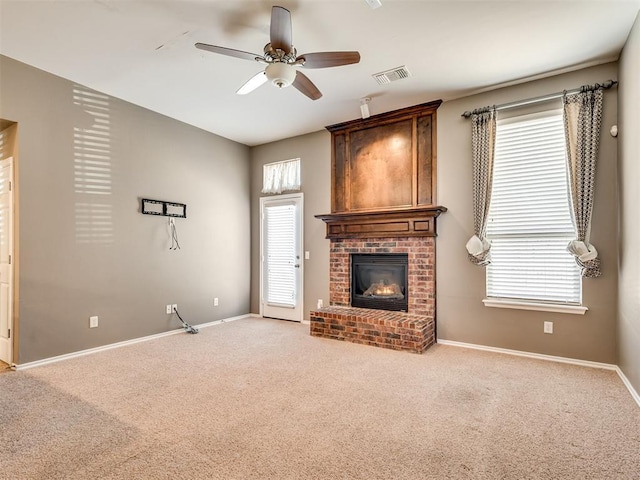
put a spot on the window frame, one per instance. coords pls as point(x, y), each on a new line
point(538, 303)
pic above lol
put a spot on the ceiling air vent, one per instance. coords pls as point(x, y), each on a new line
point(392, 75)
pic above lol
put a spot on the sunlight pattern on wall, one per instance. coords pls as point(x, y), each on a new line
point(93, 169)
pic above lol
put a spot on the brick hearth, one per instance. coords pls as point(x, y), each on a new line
point(380, 328)
point(413, 330)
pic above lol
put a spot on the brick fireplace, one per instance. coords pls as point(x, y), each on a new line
point(383, 190)
point(420, 251)
point(413, 330)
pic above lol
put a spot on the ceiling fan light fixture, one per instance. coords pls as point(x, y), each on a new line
point(280, 74)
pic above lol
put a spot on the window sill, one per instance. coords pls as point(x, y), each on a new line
point(540, 307)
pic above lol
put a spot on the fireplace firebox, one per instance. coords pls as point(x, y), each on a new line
point(379, 281)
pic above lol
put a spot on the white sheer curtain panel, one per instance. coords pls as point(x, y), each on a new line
point(282, 176)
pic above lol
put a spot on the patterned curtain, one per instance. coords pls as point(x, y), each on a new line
point(582, 119)
point(483, 140)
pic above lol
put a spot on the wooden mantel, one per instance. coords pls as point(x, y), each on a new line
point(409, 222)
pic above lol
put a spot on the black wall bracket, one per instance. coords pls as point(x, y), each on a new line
point(160, 207)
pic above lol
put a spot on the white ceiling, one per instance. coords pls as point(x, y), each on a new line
point(450, 47)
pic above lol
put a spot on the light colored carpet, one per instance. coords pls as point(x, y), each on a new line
point(261, 399)
point(4, 367)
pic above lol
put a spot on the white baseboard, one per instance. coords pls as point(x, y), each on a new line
point(550, 358)
point(223, 320)
point(539, 356)
point(89, 351)
point(627, 384)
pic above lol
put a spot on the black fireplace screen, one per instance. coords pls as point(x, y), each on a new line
point(379, 281)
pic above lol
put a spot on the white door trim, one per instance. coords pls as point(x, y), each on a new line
point(7, 261)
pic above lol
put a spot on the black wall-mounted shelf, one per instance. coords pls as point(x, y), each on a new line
point(160, 207)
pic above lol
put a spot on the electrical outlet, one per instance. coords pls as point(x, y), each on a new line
point(215, 302)
point(168, 309)
point(93, 322)
point(548, 327)
point(174, 307)
point(320, 303)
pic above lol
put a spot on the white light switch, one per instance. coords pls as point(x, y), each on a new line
point(306, 255)
point(93, 322)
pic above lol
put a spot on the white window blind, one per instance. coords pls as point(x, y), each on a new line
point(281, 255)
point(529, 218)
point(282, 176)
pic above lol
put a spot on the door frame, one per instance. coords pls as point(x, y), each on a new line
point(10, 162)
point(299, 199)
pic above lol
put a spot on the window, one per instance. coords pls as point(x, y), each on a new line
point(280, 177)
point(529, 221)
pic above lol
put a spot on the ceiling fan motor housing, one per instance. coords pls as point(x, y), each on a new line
point(280, 74)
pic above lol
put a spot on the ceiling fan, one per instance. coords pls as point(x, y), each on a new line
point(282, 59)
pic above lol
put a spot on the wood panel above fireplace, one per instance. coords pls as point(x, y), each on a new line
point(386, 161)
point(383, 178)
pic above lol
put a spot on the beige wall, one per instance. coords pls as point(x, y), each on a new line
point(461, 316)
point(629, 174)
point(314, 151)
point(124, 273)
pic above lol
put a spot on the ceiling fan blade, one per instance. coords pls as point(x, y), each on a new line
point(306, 86)
point(230, 52)
point(253, 83)
point(328, 59)
point(281, 29)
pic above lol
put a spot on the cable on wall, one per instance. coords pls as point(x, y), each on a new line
point(185, 325)
point(175, 245)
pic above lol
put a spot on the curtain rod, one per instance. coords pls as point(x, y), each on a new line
point(520, 103)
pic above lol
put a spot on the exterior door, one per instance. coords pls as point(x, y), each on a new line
point(281, 257)
point(6, 253)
